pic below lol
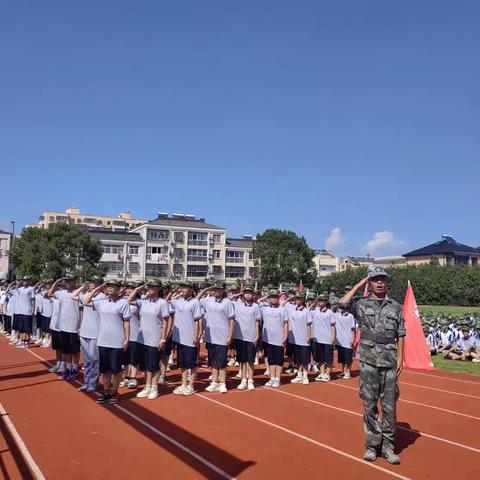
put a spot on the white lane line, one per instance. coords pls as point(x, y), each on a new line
point(166, 437)
point(32, 465)
point(426, 405)
point(304, 437)
point(442, 377)
point(423, 434)
point(440, 390)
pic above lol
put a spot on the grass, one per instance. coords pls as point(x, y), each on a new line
point(448, 309)
point(455, 365)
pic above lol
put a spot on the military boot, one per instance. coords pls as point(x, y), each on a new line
point(370, 455)
point(390, 456)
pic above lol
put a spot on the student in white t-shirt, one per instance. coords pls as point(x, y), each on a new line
point(154, 331)
point(113, 336)
point(463, 348)
point(246, 334)
point(186, 333)
point(219, 325)
point(345, 336)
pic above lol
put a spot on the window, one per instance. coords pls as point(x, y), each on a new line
point(217, 270)
point(157, 250)
point(217, 238)
point(109, 222)
point(327, 268)
point(197, 255)
point(157, 234)
point(113, 267)
point(179, 237)
point(178, 270)
point(234, 272)
point(134, 268)
point(250, 255)
point(216, 253)
point(197, 271)
point(52, 219)
point(197, 238)
point(178, 253)
point(79, 220)
point(234, 256)
point(157, 270)
point(133, 249)
point(108, 248)
point(253, 271)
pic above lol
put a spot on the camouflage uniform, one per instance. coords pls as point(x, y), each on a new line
point(381, 324)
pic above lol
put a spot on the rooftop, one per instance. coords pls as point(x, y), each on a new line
point(245, 242)
point(445, 246)
point(116, 236)
point(182, 220)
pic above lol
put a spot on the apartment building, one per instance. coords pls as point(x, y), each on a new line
point(5, 242)
point(325, 263)
point(122, 222)
point(177, 247)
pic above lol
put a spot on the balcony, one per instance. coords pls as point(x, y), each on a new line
point(202, 243)
point(192, 258)
point(234, 260)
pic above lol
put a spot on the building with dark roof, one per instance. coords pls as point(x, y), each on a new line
point(447, 251)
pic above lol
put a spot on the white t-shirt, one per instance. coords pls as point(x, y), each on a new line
point(24, 300)
point(246, 319)
point(274, 320)
point(152, 314)
point(90, 322)
point(217, 319)
point(112, 314)
point(69, 317)
point(55, 320)
point(47, 307)
point(323, 320)
point(186, 314)
point(299, 319)
point(134, 323)
point(345, 325)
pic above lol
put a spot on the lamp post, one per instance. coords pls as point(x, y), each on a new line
point(10, 249)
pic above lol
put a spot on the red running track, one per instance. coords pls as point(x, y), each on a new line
point(293, 432)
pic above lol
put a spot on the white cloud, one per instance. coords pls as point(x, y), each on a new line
point(335, 240)
point(383, 243)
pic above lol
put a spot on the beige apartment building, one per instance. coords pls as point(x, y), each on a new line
point(122, 222)
point(177, 247)
point(5, 242)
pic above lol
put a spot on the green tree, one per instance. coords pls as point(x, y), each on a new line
point(59, 250)
point(283, 257)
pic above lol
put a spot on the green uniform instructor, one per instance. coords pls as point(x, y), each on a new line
point(382, 333)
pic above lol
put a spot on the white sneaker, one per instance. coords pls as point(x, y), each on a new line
point(250, 385)
point(296, 380)
point(238, 375)
point(161, 380)
point(267, 372)
point(54, 369)
point(188, 390)
point(123, 383)
point(269, 383)
point(305, 381)
point(231, 362)
point(153, 395)
point(213, 387)
point(325, 378)
point(210, 377)
point(222, 388)
point(347, 376)
point(276, 384)
point(243, 384)
point(144, 393)
point(319, 378)
point(132, 383)
point(180, 390)
point(315, 369)
point(39, 342)
point(476, 360)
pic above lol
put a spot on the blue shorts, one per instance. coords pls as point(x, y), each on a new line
point(245, 351)
point(133, 353)
point(345, 355)
point(275, 354)
point(187, 356)
point(150, 359)
point(110, 359)
point(290, 350)
point(24, 323)
point(70, 343)
point(301, 355)
point(217, 355)
point(323, 353)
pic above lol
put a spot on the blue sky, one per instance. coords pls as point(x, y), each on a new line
point(356, 122)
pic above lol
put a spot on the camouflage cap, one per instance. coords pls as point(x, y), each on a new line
point(273, 293)
point(26, 278)
point(48, 280)
point(113, 281)
point(311, 296)
point(248, 287)
point(348, 287)
point(377, 272)
point(153, 282)
point(218, 284)
point(206, 285)
point(70, 276)
point(132, 284)
point(323, 296)
point(186, 285)
point(300, 295)
point(95, 279)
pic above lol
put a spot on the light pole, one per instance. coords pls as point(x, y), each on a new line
point(10, 250)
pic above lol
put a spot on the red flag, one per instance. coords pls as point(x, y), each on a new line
point(301, 288)
point(415, 353)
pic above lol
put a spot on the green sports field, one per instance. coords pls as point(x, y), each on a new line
point(455, 365)
point(448, 309)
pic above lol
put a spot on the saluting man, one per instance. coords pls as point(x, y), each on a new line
point(382, 333)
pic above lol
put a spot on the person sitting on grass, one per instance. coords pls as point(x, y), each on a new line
point(431, 340)
point(476, 339)
point(462, 348)
point(446, 339)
